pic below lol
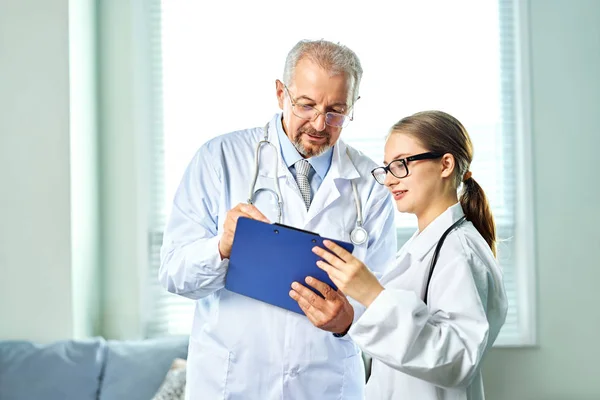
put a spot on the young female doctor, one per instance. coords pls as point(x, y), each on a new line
point(426, 328)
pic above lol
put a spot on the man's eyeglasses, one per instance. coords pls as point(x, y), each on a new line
point(304, 111)
point(399, 168)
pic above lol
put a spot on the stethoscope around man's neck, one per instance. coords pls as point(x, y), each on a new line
point(358, 235)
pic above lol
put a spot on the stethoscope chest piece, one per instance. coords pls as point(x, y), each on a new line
point(359, 236)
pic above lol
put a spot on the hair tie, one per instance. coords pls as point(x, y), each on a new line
point(467, 176)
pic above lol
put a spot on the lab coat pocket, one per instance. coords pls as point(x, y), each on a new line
point(208, 370)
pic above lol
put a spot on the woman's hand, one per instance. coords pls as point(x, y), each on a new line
point(348, 273)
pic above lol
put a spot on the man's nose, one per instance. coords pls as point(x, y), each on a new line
point(318, 123)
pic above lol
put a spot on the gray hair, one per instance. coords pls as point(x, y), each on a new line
point(333, 57)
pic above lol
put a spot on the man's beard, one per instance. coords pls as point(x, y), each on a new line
point(311, 152)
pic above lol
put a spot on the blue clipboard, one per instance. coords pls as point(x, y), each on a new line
point(266, 258)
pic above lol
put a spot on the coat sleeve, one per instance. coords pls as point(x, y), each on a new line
point(191, 265)
point(444, 346)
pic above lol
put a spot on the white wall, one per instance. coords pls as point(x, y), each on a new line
point(565, 69)
point(46, 287)
point(35, 242)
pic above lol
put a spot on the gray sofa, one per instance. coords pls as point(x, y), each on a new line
point(87, 369)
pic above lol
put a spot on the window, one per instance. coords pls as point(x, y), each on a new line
point(462, 59)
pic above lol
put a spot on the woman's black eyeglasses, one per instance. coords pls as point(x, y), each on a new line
point(399, 168)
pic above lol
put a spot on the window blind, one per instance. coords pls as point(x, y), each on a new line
point(461, 60)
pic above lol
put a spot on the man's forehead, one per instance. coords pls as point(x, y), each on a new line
point(334, 94)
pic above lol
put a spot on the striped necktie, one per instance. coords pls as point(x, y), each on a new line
point(302, 169)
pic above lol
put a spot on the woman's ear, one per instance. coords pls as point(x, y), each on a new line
point(448, 165)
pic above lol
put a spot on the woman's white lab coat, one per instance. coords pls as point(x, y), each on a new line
point(434, 351)
point(241, 348)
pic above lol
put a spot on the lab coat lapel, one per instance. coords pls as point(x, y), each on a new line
point(342, 170)
point(424, 242)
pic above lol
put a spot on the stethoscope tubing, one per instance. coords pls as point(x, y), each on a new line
point(358, 235)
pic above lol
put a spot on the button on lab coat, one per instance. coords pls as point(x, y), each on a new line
point(434, 352)
point(241, 348)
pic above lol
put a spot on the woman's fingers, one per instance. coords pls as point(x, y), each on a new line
point(329, 257)
point(339, 251)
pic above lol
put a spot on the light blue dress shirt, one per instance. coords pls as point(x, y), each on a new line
point(320, 164)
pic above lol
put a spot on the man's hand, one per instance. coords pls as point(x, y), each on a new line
point(241, 210)
point(333, 313)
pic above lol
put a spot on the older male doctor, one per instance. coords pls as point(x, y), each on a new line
point(241, 348)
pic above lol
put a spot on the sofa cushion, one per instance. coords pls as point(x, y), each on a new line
point(62, 370)
point(136, 369)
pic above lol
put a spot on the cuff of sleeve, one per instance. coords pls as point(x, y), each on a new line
point(206, 253)
point(384, 310)
point(373, 315)
point(358, 311)
point(343, 334)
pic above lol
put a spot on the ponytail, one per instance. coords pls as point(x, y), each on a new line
point(477, 210)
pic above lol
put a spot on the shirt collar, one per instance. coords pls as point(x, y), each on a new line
point(422, 242)
point(290, 155)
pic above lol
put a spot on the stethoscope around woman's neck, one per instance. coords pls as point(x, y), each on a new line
point(358, 235)
point(436, 253)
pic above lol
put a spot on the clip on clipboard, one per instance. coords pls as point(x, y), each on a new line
point(266, 258)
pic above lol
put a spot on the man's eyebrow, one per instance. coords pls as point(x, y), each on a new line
point(303, 97)
point(339, 105)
